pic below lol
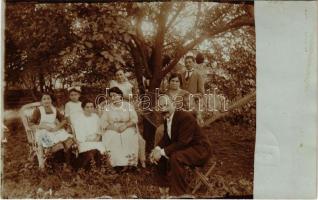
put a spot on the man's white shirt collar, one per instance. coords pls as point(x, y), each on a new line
point(169, 124)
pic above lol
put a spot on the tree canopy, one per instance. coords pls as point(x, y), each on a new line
point(86, 41)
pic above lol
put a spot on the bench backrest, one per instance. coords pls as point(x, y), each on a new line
point(26, 112)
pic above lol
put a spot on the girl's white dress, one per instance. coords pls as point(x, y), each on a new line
point(45, 137)
point(122, 147)
point(86, 130)
point(72, 108)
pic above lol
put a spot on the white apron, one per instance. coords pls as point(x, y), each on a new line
point(86, 130)
point(47, 138)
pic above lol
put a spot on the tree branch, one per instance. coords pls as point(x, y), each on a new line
point(198, 15)
point(237, 23)
point(138, 26)
point(143, 54)
point(173, 19)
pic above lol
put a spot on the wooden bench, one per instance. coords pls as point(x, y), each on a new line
point(35, 149)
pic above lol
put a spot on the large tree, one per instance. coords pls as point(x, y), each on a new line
point(85, 42)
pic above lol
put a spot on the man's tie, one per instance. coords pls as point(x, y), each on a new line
point(188, 75)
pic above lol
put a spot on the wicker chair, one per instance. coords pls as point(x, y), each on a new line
point(34, 148)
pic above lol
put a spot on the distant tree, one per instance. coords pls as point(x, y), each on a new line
point(34, 36)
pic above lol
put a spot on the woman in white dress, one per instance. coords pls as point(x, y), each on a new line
point(49, 123)
point(120, 137)
point(122, 83)
point(86, 125)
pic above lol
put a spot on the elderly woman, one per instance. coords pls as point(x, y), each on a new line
point(122, 83)
point(120, 137)
point(49, 123)
point(86, 125)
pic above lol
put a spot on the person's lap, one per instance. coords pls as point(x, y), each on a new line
point(191, 156)
point(122, 147)
point(85, 159)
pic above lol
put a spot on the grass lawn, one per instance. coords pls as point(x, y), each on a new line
point(233, 151)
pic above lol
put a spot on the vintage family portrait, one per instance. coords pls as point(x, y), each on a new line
point(128, 99)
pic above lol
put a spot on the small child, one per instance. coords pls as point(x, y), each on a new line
point(74, 105)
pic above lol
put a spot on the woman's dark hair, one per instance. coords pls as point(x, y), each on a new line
point(74, 90)
point(86, 101)
point(176, 75)
point(53, 98)
point(115, 90)
point(119, 69)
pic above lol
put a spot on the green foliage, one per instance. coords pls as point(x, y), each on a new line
point(58, 44)
point(84, 42)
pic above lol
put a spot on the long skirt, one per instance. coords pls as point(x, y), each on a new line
point(87, 146)
point(122, 147)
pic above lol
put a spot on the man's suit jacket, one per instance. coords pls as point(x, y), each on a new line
point(185, 132)
point(195, 84)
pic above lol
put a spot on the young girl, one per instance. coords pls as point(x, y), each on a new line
point(87, 130)
point(74, 105)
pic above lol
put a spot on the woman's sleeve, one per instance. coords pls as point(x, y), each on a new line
point(36, 116)
point(104, 120)
point(67, 110)
point(59, 116)
point(133, 117)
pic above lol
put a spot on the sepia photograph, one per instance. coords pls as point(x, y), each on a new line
point(128, 99)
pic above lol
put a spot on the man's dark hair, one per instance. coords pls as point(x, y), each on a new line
point(190, 57)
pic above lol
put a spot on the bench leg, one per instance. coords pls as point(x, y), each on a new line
point(41, 157)
point(203, 178)
point(31, 153)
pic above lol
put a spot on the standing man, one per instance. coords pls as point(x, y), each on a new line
point(193, 81)
point(183, 143)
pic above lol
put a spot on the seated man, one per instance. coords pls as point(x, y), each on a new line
point(86, 126)
point(183, 144)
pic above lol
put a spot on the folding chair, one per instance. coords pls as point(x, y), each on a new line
point(202, 178)
point(34, 148)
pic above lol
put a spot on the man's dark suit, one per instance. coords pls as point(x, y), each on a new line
point(187, 146)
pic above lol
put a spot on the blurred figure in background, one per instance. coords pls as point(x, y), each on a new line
point(73, 106)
